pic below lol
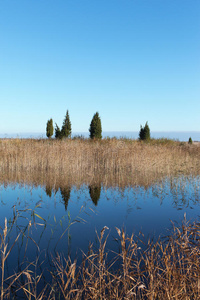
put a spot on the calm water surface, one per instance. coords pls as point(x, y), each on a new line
point(90, 208)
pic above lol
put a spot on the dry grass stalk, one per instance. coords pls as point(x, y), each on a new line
point(4, 256)
point(121, 162)
point(164, 269)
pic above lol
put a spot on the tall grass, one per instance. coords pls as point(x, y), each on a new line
point(168, 268)
point(120, 162)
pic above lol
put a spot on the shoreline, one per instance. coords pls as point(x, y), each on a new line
point(182, 136)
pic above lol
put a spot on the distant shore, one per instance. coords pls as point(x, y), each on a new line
point(181, 136)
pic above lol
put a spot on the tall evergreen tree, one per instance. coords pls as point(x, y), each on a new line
point(95, 127)
point(190, 141)
point(49, 128)
point(66, 130)
point(144, 132)
point(58, 134)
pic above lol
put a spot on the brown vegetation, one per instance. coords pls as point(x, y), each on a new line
point(164, 269)
point(110, 161)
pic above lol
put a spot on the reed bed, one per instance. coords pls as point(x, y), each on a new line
point(110, 161)
point(168, 268)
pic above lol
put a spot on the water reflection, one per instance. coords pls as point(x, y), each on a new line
point(48, 190)
point(65, 194)
point(137, 208)
point(65, 191)
point(181, 192)
point(95, 193)
point(178, 192)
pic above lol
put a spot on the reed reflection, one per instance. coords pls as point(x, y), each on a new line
point(181, 191)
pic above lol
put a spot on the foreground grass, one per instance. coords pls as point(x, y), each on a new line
point(110, 161)
point(164, 269)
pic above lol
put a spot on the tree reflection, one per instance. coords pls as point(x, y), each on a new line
point(95, 193)
point(65, 194)
point(48, 190)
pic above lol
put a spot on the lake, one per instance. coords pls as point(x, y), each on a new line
point(65, 219)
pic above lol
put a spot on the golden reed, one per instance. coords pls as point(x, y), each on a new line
point(110, 161)
point(166, 269)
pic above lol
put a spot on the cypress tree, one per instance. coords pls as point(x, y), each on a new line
point(95, 127)
point(190, 141)
point(58, 134)
point(66, 130)
point(49, 128)
point(144, 133)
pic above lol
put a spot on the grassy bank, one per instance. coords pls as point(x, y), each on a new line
point(165, 269)
point(110, 161)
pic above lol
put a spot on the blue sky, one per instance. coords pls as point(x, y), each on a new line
point(131, 60)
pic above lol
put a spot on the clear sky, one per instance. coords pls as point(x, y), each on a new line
point(131, 60)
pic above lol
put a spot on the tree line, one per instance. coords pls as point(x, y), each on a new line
point(95, 129)
point(66, 130)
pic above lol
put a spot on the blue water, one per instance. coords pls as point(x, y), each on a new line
point(78, 214)
point(181, 136)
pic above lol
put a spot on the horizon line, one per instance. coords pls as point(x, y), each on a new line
point(157, 131)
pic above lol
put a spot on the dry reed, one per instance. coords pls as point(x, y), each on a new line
point(165, 269)
point(168, 268)
point(110, 161)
